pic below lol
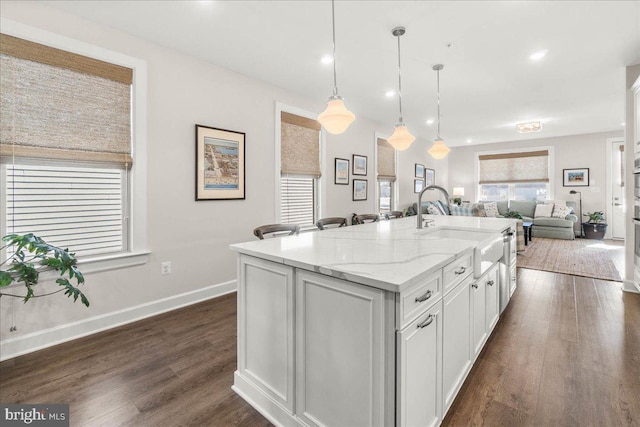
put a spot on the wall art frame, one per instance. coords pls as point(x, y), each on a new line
point(360, 188)
point(359, 165)
point(341, 171)
point(220, 164)
point(575, 177)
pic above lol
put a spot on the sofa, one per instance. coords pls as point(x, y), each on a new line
point(550, 227)
point(555, 228)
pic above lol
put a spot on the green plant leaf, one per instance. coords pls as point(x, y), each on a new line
point(5, 279)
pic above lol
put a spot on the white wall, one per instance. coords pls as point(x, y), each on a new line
point(194, 236)
point(576, 151)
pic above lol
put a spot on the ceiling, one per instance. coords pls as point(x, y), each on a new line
point(488, 83)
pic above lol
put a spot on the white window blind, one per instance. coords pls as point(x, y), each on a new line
point(297, 195)
point(80, 208)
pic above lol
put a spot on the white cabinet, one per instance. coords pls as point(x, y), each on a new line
point(485, 308)
point(340, 352)
point(478, 314)
point(492, 286)
point(419, 370)
point(456, 347)
point(266, 328)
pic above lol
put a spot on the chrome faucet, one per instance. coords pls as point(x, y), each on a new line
point(431, 187)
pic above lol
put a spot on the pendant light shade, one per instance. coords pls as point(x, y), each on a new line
point(401, 138)
point(439, 150)
point(335, 118)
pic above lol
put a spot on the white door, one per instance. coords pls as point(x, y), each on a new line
point(617, 190)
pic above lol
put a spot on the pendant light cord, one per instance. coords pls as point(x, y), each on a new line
point(399, 80)
point(333, 21)
point(438, 71)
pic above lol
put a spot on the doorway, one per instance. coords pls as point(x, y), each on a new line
point(617, 202)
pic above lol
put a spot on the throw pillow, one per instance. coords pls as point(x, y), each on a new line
point(543, 210)
point(444, 207)
point(491, 209)
point(556, 202)
point(433, 210)
point(561, 211)
point(482, 212)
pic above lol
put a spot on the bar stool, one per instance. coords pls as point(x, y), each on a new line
point(259, 232)
point(362, 218)
point(323, 222)
point(393, 214)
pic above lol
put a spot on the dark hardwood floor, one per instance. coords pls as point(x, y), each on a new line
point(565, 352)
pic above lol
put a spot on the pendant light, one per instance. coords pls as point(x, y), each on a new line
point(439, 150)
point(401, 138)
point(335, 118)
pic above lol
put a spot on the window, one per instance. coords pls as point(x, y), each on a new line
point(386, 167)
point(65, 147)
point(299, 169)
point(514, 176)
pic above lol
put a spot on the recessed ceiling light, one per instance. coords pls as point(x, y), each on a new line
point(537, 56)
point(469, 141)
point(327, 59)
point(390, 93)
point(529, 127)
point(430, 121)
point(623, 123)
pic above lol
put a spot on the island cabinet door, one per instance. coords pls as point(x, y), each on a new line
point(493, 298)
point(340, 352)
point(478, 315)
point(419, 367)
point(456, 338)
point(265, 328)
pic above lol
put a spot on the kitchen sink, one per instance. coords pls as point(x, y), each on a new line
point(488, 250)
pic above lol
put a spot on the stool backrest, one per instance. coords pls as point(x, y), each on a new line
point(339, 221)
point(259, 232)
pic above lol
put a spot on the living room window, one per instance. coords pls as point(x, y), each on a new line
point(67, 135)
point(299, 169)
point(386, 174)
point(514, 176)
point(65, 147)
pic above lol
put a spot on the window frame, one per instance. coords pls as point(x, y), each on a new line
point(136, 179)
point(394, 184)
point(551, 162)
point(319, 188)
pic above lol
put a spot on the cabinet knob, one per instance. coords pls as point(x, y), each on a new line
point(490, 283)
point(424, 297)
point(427, 322)
point(474, 285)
point(460, 270)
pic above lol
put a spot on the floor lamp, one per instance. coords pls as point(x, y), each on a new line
point(580, 217)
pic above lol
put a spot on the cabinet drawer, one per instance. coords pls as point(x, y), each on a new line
point(456, 271)
point(416, 299)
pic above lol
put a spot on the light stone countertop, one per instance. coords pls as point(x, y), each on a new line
point(391, 255)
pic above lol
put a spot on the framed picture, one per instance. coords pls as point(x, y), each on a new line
point(359, 165)
point(419, 173)
point(418, 185)
point(220, 173)
point(575, 177)
point(359, 189)
point(341, 172)
point(429, 177)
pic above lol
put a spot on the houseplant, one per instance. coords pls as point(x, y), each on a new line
point(595, 228)
point(33, 256)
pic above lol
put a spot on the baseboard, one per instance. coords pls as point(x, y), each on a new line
point(28, 343)
point(630, 286)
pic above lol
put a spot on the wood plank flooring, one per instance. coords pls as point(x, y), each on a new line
point(565, 352)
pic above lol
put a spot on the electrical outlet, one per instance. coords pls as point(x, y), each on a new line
point(165, 267)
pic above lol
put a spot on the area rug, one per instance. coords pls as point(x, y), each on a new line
point(580, 257)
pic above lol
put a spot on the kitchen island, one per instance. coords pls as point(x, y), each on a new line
point(376, 324)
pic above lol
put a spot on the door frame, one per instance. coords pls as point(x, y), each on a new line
point(609, 183)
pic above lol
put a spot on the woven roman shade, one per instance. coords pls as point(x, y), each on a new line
point(300, 146)
point(60, 105)
point(532, 166)
point(386, 161)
